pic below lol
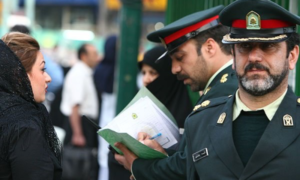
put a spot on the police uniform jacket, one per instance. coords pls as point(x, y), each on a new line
point(211, 153)
point(174, 167)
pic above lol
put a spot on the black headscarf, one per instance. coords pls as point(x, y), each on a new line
point(104, 72)
point(171, 92)
point(17, 105)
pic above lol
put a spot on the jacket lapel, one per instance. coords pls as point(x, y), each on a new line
point(207, 94)
point(222, 141)
point(276, 136)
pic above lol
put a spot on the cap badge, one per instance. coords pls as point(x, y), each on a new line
point(224, 78)
point(288, 120)
point(163, 42)
point(253, 20)
point(221, 118)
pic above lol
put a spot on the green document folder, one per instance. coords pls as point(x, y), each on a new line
point(141, 150)
point(132, 144)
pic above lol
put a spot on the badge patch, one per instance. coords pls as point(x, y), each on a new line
point(288, 120)
point(224, 78)
point(205, 103)
point(221, 118)
point(200, 154)
point(253, 20)
point(196, 107)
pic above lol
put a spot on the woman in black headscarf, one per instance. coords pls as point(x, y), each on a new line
point(29, 147)
point(158, 78)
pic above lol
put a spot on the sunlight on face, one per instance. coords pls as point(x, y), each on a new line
point(39, 79)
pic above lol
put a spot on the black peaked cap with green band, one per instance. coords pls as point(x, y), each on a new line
point(257, 21)
point(178, 32)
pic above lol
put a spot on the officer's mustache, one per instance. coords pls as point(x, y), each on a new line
point(256, 66)
point(181, 77)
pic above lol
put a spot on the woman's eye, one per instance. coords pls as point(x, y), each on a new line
point(153, 73)
point(44, 69)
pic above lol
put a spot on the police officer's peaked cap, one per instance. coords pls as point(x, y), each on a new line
point(257, 21)
point(178, 32)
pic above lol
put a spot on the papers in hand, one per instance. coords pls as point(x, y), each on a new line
point(144, 114)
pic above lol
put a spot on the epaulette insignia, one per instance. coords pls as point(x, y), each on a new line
point(196, 107)
point(221, 118)
point(298, 100)
point(224, 78)
point(205, 103)
point(207, 89)
point(230, 95)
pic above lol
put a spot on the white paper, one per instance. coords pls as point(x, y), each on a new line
point(145, 116)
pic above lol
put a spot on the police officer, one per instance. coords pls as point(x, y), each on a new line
point(200, 60)
point(255, 133)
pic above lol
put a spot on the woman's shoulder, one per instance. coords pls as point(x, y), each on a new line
point(15, 120)
point(16, 124)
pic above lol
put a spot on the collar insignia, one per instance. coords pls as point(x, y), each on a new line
point(224, 78)
point(288, 121)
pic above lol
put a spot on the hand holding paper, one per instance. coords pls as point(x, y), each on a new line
point(144, 114)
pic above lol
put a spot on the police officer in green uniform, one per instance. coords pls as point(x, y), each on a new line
point(255, 133)
point(199, 59)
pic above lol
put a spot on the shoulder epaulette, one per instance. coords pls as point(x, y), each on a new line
point(298, 101)
point(211, 103)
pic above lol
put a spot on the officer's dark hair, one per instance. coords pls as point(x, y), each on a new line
point(82, 50)
point(215, 33)
point(292, 42)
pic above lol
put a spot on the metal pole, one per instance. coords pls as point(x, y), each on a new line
point(131, 13)
point(297, 78)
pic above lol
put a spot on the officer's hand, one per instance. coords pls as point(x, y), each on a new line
point(127, 159)
point(142, 136)
point(145, 139)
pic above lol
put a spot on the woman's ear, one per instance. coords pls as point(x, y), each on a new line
point(29, 76)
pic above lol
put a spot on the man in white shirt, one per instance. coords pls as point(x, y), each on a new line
point(79, 98)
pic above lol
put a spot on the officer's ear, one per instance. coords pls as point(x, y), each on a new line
point(210, 47)
point(293, 57)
